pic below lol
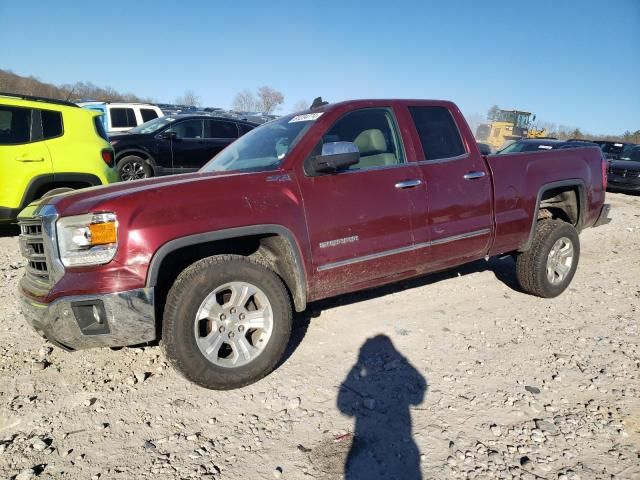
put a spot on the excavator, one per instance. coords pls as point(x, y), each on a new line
point(507, 126)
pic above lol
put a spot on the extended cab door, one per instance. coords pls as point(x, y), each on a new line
point(359, 220)
point(457, 220)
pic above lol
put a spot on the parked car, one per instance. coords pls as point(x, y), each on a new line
point(47, 145)
point(612, 150)
point(173, 144)
point(121, 117)
point(341, 198)
point(624, 174)
point(536, 144)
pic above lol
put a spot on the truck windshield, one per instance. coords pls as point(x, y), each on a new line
point(263, 148)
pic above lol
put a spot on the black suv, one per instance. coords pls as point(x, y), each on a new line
point(174, 144)
point(537, 144)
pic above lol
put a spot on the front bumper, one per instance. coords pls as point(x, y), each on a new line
point(88, 321)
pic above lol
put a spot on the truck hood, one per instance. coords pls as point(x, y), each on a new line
point(159, 189)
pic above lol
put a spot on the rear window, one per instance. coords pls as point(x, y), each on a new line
point(122, 117)
point(244, 128)
point(15, 125)
point(220, 129)
point(438, 132)
point(97, 122)
point(51, 123)
point(148, 114)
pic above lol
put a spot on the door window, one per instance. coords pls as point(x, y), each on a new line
point(220, 129)
point(51, 124)
point(148, 114)
point(374, 132)
point(244, 128)
point(123, 117)
point(437, 131)
point(14, 125)
point(187, 129)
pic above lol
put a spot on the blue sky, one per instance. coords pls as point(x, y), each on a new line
point(575, 63)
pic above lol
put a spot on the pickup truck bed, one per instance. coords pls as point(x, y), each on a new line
point(336, 199)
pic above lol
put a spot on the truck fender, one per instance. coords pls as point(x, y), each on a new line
point(582, 205)
point(297, 286)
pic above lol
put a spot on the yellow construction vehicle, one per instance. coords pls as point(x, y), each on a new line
point(506, 126)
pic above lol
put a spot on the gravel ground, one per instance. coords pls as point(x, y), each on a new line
point(456, 375)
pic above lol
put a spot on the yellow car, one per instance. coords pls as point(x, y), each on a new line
point(48, 145)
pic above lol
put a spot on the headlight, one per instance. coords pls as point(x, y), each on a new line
point(90, 239)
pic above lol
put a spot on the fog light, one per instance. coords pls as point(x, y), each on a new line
point(91, 317)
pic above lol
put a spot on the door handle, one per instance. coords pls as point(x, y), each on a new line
point(473, 175)
point(30, 159)
point(408, 184)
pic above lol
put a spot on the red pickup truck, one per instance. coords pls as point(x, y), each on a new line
point(335, 199)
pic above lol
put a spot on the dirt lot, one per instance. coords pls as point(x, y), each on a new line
point(457, 375)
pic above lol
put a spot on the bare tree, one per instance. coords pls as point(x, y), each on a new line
point(492, 114)
point(245, 101)
point(189, 98)
point(270, 99)
point(300, 105)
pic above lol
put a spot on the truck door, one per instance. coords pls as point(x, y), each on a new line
point(359, 219)
point(458, 206)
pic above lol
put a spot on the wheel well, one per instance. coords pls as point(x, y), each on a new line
point(271, 250)
point(41, 190)
point(562, 203)
point(138, 153)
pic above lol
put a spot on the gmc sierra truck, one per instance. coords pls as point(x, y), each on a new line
point(339, 198)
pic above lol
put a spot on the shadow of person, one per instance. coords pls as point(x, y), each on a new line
point(378, 392)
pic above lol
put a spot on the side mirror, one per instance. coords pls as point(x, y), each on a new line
point(335, 156)
point(167, 136)
point(485, 149)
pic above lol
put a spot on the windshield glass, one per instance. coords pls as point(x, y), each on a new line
point(263, 148)
point(152, 125)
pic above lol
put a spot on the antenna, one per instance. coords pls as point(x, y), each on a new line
point(317, 103)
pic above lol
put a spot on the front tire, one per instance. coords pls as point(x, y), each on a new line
point(547, 268)
point(132, 168)
point(227, 322)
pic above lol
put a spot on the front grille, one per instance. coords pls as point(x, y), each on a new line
point(32, 247)
point(624, 172)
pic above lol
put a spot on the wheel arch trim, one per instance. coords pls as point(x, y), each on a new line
point(299, 290)
point(582, 205)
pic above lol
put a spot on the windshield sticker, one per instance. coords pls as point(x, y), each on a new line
point(545, 147)
point(617, 145)
point(307, 117)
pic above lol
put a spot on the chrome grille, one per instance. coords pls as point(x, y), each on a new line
point(32, 247)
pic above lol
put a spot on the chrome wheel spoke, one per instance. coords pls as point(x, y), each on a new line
point(243, 350)
point(255, 319)
point(240, 295)
point(562, 270)
point(560, 260)
point(211, 343)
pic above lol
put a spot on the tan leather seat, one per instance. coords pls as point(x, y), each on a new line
point(373, 149)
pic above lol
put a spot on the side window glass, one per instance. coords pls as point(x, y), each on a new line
point(51, 124)
point(244, 128)
point(123, 117)
point(148, 114)
point(374, 132)
point(187, 129)
point(438, 132)
point(15, 125)
point(220, 129)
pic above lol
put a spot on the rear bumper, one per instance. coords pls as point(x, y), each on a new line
point(88, 321)
point(603, 218)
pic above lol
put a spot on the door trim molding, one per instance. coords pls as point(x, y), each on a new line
point(408, 248)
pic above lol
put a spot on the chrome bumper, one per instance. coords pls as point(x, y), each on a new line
point(119, 319)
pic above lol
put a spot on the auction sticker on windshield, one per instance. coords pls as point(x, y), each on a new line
point(306, 117)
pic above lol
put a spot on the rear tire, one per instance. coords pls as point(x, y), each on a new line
point(547, 268)
point(227, 322)
point(132, 168)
